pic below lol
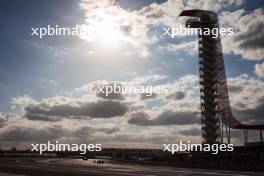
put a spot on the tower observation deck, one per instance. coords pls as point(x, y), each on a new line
point(216, 112)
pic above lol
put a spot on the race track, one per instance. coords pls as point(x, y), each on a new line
point(37, 166)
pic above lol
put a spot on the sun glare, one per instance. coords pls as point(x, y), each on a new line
point(103, 28)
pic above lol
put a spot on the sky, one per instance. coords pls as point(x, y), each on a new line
point(44, 82)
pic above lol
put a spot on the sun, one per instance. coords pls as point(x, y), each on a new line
point(104, 28)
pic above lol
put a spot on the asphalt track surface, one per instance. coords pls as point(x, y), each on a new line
point(37, 166)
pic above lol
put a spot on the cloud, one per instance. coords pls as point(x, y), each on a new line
point(167, 117)
point(259, 69)
point(135, 26)
point(189, 47)
point(84, 102)
point(113, 95)
point(213, 5)
point(245, 94)
point(247, 40)
point(252, 39)
point(247, 98)
point(176, 95)
point(185, 89)
point(3, 119)
point(194, 131)
point(150, 13)
point(129, 27)
point(95, 86)
point(146, 96)
point(56, 108)
point(87, 129)
point(42, 117)
point(251, 116)
point(21, 102)
point(24, 134)
point(54, 132)
point(146, 80)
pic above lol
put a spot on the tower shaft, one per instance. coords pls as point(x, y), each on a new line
point(210, 58)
